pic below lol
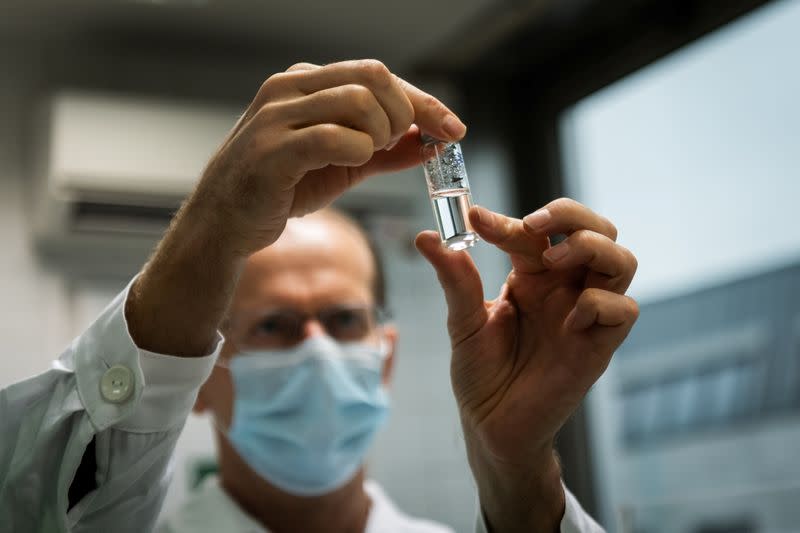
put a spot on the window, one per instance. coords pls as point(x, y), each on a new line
point(696, 159)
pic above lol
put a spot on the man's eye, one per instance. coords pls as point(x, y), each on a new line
point(273, 326)
point(348, 323)
point(347, 319)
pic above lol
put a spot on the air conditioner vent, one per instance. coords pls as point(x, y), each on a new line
point(122, 219)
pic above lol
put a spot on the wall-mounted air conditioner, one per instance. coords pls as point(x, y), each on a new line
point(111, 169)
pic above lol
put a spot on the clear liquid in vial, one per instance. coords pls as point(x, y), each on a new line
point(450, 208)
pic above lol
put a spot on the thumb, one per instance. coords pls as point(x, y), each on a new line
point(461, 283)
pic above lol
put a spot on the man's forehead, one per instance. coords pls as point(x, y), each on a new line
point(325, 233)
point(318, 228)
point(317, 250)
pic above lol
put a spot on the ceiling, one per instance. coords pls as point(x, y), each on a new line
point(399, 33)
point(187, 47)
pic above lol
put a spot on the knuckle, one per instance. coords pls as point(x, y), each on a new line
point(633, 309)
point(361, 98)
point(405, 116)
point(632, 260)
point(302, 146)
point(299, 66)
point(382, 137)
point(265, 114)
point(563, 203)
point(430, 102)
point(561, 206)
point(584, 239)
point(463, 327)
point(272, 88)
point(313, 144)
point(375, 71)
point(401, 119)
point(269, 85)
point(591, 299)
point(503, 229)
point(588, 243)
point(611, 229)
point(324, 138)
point(363, 153)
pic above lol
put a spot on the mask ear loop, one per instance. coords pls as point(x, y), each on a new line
point(222, 363)
point(384, 347)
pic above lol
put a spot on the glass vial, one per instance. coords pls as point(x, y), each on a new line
point(449, 191)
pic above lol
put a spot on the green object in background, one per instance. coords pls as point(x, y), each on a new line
point(199, 469)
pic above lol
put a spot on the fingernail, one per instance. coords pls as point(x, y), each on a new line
point(391, 145)
point(453, 127)
point(578, 321)
point(569, 322)
point(557, 252)
point(538, 219)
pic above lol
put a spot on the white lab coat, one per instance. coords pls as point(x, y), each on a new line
point(133, 403)
point(211, 510)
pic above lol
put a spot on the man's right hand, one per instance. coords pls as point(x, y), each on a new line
point(309, 134)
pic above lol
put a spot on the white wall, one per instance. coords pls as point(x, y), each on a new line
point(35, 318)
point(419, 457)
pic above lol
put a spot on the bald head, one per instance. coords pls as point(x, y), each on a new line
point(334, 216)
point(318, 259)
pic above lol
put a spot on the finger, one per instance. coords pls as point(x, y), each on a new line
point(524, 247)
point(461, 283)
point(432, 116)
point(615, 264)
point(268, 91)
point(405, 154)
point(567, 216)
point(321, 145)
point(371, 74)
point(277, 87)
point(302, 66)
point(604, 319)
point(353, 106)
point(600, 308)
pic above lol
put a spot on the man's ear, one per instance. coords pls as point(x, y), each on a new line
point(211, 388)
point(390, 333)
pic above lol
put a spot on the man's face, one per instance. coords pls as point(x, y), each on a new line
point(320, 266)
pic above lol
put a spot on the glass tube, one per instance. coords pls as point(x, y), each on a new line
point(449, 191)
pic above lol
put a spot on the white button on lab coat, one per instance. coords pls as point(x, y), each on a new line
point(132, 402)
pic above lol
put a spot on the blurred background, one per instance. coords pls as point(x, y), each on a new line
point(678, 120)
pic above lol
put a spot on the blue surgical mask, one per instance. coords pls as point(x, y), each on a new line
point(304, 418)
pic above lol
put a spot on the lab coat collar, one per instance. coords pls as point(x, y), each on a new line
point(212, 509)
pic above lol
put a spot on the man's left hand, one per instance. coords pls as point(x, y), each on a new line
point(522, 363)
